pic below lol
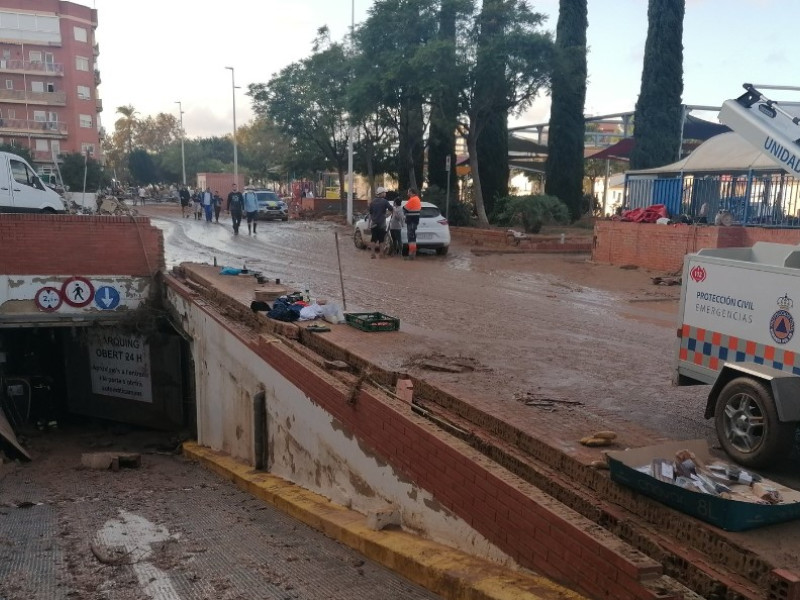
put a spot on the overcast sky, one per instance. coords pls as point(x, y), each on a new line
point(156, 52)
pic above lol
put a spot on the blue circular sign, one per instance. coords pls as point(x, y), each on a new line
point(106, 298)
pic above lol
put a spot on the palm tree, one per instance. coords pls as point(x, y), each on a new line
point(126, 125)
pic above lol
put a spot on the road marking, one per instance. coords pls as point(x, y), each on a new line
point(136, 535)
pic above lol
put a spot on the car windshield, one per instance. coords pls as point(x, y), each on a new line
point(265, 196)
point(429, 212)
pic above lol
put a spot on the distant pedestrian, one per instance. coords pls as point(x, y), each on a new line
point(251, 210)
point(235, 207)
point(216, 201)
point(396, 224)
point(412, 210)
point(142, 195)
point(208, 206)
point(186, 199)
point(198, 204)
point(377, 220)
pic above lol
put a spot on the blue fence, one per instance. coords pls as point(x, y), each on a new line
point(771, 199)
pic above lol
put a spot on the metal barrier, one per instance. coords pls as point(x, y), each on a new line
point(766, 199)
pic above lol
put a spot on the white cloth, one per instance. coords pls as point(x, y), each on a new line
point(310, 312)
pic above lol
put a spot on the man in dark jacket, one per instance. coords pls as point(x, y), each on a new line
point(235, 207)
point(378, 209)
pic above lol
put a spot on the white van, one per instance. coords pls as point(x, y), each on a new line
point(22, 190)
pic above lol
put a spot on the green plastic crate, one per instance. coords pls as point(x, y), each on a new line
point(373, 321)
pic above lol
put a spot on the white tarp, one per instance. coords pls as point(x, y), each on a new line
point(723, 153)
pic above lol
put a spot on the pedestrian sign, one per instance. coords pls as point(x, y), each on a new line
point(106, 297)
point(77, 291)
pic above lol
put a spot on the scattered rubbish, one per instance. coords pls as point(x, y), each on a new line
point(666, 280)
point(318, 328)
point(230, 271)
point(593, 442)
point(685, 476)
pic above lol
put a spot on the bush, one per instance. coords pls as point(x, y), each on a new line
point(530, 212)
point(459, 215)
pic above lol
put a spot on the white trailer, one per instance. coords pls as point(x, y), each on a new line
point(736, 327)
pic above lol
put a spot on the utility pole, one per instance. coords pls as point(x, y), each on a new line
point(235, 150)
point(351, 131)
point(183, 154)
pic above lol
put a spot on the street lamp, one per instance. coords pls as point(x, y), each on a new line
point(235, 150)
point(183, 154)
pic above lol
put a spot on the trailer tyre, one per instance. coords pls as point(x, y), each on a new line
point(747, 424)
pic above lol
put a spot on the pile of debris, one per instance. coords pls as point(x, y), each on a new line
point(109, 205)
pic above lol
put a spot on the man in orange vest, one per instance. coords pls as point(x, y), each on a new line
point(412, 209)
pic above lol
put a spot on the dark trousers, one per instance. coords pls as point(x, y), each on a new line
point(236, 217)
point(397, 241)
point(411, 225)
point(217, 210)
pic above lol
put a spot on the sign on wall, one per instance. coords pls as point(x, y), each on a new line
point(120, 366)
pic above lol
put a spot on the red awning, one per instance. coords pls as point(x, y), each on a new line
point(619, 151)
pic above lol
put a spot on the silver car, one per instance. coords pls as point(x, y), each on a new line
point(433, 232)
point(270, 206)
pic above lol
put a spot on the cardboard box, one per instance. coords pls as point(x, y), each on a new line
point(731, 515)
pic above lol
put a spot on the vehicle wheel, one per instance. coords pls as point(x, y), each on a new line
point(358, 240)
point(747, 424)
point(442, 251)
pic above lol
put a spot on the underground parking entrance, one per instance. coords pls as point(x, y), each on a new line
point(127, 374)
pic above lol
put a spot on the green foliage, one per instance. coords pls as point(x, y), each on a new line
point(142, 168)
point(458, 213)
point(530, 212)
point(72, 171)
point(565, 163)
point(659, 112)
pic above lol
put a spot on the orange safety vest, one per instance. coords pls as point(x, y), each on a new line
point(413, 204)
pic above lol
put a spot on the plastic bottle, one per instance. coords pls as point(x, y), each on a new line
point(307, 297)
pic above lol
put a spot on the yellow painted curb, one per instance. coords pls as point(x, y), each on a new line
point(452, 574)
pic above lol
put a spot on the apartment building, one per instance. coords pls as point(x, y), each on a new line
point(48, 79)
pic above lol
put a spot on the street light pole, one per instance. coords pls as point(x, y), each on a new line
point(235, 150)
point(183, 154)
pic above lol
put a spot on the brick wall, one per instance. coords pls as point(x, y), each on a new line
point(662, 247)
point(500, 239)
point(37, 244)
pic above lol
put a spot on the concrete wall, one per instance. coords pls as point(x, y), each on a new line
point(308, 443)
point(79, 245)
point(662, 247)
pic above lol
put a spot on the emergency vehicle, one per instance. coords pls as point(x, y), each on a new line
point(738, 327)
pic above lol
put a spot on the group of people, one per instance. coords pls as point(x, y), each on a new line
point(382, 208)
point(208, 206)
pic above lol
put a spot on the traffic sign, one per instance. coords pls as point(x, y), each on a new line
point(106, 297)
point(48, 299)
point(77, 291)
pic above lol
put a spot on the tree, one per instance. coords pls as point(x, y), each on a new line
point(659, 114)
point(526, 55)
point(308, 102)
point(21, 151)
point(264, 150)
point(142, 167)
point(395, 70)
point(492, 145)
point(444, 95)
point(72, 170)
point(155, 134)
point(564, 165)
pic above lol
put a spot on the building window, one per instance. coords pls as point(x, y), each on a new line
point(84, 93)
point(37, 86)
point(35, 56)
point(9, 84)
point(87, 149)
point(41, 146)
point(55, 146)
point(86, 121)
point(81, 63)
point(12, 114)
point(80, 34)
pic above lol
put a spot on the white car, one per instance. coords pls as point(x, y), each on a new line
point(433, 232)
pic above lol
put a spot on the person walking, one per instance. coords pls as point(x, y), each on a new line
point(412, 210)
point(208, 204)
point(142, 195)
point(377, 220)
point(186, 199)
point(198, 204)
point(216, 201)
point(396, 224)
point(235, 207)
point(251, 211)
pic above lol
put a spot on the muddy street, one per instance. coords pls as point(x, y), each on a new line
point(553, 326)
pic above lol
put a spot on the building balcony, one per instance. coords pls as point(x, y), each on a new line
point(44, 156)
point(96, 50)
point(97, 80)
point(99, 105)
point(34, 68)
point(11, 127)
point(43, 98)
